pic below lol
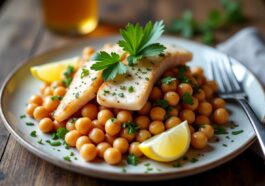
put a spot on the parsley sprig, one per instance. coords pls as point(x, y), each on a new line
point(139, 42)
point(132, 127)
point(110, 64)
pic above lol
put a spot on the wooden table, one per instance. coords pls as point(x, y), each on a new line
point(22, 35)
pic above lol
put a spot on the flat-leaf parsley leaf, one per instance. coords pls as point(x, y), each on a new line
point(139, 42)
point(110, 64)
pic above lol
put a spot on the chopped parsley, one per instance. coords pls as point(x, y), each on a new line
point(161, 103)
point(59, 134)
point(54, 143)
point(132, 127)
point(33, 133)
point(168, 80)
point(187, 98)
point(67, 158)
point(121, 95)
point(130, 89)
point(132, 159)
point(225, 145)
point(67, 75)
point(29, 124)
point(56, 98)
point(72, 153)
point(106, 91)
point(84, 73)
point(193, 160)
point(22, 116)
point(181, 74)
point(123, 87)
point(40, 142)
point(237, 132)
point(220, 130)
point(177, 164)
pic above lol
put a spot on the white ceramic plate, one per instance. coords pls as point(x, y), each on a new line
point(20, 85)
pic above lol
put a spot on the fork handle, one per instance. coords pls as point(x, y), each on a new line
point(258, 126)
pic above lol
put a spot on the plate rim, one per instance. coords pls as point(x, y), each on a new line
point(94, 172)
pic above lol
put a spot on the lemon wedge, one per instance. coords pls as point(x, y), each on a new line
point(169, 145)
point(53, 71)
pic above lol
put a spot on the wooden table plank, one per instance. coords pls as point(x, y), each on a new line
point(17, 32)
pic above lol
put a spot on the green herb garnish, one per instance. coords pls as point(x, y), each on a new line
point(110, 64)
point(40, 142)
point(139, 42)
point(22, 116)
point(132, 159)
point(161, 103)
point(168, 80)
point(132, 127)
point(56, 98)
point(220, 130)
point(84, 73)
point(121, 95)
point(54, 143)
point(130, 89)
point(33, 133)
point(193, 160)
point(237, 132)
point(29, 124)
point(187, 98)
point(67, 158)
point(67, 75)
point(177, 164)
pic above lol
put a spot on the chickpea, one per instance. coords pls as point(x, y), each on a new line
point(207, 130)
point(83, 125)
point(220, 116)
point(146, 109)
point(197, 71)
point(48, 91)
point(187, 115)
point(142, 121)
point(46, 125)
point(71, 137)
point(30, 109)
point(169, 87)
point(218, 103)
point(50, 104)
point(124, 116)
point(205, 108)
point(90, 110)
point(156, 93)
point(43, 87)
point(213, 85)
point(70, 125)
point(185, 88)
point(121, 144)
point(104, 115)
point(110, 139)
point(112, 126)
point(172, 122)
point(81, 141)
point(174, 112)
point(59, 91)
point(58, 124)
point(193, 106)
point(172, 98)
point(192, 130)
point(208, 91)
point(56, 84)
point(112, 156)
point(96, 135)
point(88, 152)
point(36, 99)
point(102, 147)
point(125, 134)
point(134, 149)
point(96, 124)
point(198, 140)
point(202, 120)
point(40, 112)
point(157, 113)
point(143, 135)
point(200, 95)
point(156, 127)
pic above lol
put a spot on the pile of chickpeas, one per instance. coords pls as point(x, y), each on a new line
point(96, 131)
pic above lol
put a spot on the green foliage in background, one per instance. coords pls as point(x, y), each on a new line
point(187, 26)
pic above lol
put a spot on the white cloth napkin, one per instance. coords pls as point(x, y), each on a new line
point(248, 46)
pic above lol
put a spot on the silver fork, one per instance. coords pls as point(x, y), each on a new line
point(230, 88)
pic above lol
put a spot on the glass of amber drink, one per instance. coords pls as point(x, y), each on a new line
point(75, 17)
